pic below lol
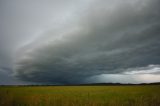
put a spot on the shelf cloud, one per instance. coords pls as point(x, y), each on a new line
point(111, 37)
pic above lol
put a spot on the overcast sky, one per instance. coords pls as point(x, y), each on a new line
point(79, 41)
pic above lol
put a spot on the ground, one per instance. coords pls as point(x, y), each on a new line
point(137, 95)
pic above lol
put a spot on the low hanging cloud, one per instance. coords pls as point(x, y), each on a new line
point(108, 37)
point(151, 69)
point(148, 74)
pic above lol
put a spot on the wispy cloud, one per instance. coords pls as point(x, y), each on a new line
point(150, 69)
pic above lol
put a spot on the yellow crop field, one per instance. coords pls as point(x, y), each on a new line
point(144, 95)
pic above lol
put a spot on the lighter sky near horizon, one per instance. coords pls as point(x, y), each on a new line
point(79, 41)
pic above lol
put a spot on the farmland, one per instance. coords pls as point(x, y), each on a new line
point(137, 95)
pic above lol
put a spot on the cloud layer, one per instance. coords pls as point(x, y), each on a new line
point(148, 74)
point(107, 37)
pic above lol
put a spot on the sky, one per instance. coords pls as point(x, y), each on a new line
point(79, 41)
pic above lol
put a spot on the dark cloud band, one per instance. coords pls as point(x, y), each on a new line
point(103, 41)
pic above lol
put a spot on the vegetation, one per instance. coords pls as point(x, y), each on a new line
point(143, 95)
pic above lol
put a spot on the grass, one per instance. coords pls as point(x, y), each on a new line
point(146, 95)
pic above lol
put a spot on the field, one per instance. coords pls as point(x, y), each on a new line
point(144, 95)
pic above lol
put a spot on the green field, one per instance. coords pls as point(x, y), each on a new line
point(146, 95)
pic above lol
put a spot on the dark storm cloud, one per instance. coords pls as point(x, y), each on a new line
point(21, 21)
point(6, 77)
point(109, 37)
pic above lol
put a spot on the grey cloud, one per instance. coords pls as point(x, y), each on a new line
point(102, 41)
point(21, 21)
point(147, 74)
point(7, 79)
point(150, 69)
